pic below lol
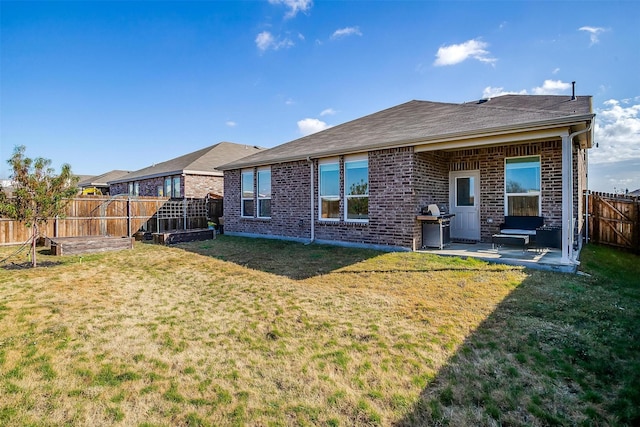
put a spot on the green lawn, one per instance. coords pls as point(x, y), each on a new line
point(257, 332)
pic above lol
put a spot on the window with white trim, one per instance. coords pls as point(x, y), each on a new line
point(522, 186)
point(247, 207)
point(136, 188)
point(264, 192)
point(329, 190)
point(356, 188)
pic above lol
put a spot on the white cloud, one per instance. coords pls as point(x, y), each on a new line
point(344, 32)
point(289, 101)
point(309, 126)
point(294, 6)
point(552, 87)
point(456, 53)
point(328, 112)
point(265, 41)
point(594, 32)
point(555, 71)
point(492, 92)
point(549, 87)
point(231, 123)
point(617, 131)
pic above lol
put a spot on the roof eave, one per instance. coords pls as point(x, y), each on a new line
point(140, 178)
point(204, 173)
point(455, 136)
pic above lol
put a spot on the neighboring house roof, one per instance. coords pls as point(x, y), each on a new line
point(422, 122)
point(102, 180)
point(635, 193)
point(83, 178)
point(202, 162)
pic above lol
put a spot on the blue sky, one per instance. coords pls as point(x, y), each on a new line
point(123, 84)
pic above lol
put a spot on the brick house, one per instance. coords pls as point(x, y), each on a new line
point(365, 182)
point(101, 182)
point(194, 175)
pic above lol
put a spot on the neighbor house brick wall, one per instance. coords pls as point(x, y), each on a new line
point(148, 187)
point(198, 186)
point(191, 186)
point(119, 188)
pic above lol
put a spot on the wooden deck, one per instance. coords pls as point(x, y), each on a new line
point(90, 244)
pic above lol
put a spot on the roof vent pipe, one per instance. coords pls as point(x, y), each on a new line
point(573, 91)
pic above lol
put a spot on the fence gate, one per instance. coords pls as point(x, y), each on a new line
point(614, 220)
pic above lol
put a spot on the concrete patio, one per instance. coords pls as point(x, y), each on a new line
point(541, 259)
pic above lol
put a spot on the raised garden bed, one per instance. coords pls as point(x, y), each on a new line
point(183, 236)
point(89, 244)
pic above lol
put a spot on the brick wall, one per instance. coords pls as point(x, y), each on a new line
point(191, 186)
point(198, 186)
point(392, 203)
point(290, 204)
point(431, 181)
point(231, 200)
point(148, 187)
point(119, 188)
point(490, 161)
point(400, 183)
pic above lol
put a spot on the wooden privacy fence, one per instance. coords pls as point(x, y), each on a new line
point(113, 216)
point(614, 220)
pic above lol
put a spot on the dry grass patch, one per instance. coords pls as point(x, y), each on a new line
point(254, 332)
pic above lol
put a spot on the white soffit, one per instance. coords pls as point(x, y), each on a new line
point(496, 139)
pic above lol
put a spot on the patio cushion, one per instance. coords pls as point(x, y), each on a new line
point(520, 231)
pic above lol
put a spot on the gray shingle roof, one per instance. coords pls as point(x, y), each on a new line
point(101, 180)
point(205, 161)
point(417, 122)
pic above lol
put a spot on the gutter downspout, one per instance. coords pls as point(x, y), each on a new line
point(312, 227)
point(567, 194)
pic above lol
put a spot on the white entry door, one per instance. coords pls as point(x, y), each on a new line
point(464, 202)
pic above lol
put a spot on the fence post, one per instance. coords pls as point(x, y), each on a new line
point(128, 216)
point(184, 214)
